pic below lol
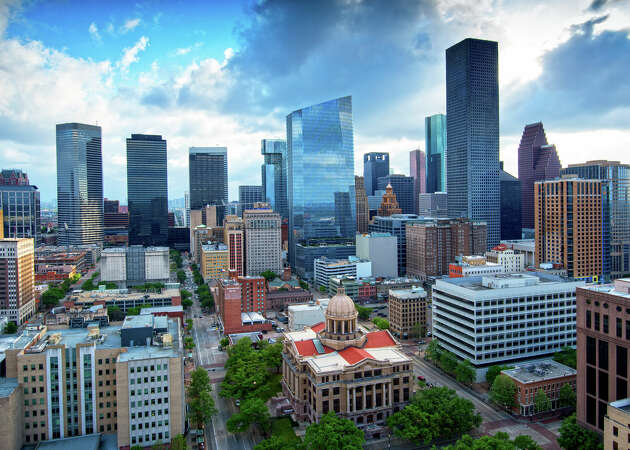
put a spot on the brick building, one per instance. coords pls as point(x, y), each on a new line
point(233, 238)
point(617, 425)
point(407, 311)
point(241, 302)
point(17, 279)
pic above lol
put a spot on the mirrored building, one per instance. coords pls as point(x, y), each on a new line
point(435, 142)
point(19, 201)
point(274, 174)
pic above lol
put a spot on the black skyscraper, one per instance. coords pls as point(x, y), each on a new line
point(147, 190)
point(510, 206)
point(375, 165)
point(207, 174)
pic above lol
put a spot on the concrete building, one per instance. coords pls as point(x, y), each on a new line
point(603, 340)
point(617, 425)
point(124, 299)
point(525, 247)
point(433, 205)
point(263, 239)
point(435, 243)
point(248, 196)
point(570, 227)
point(338, 366)
point(214, 261)
point(307, 315)
point(408, 311)
point(382, 250)
point(17, 279)
point(325, 269)
point(201, 235)
point(473, 266)
point(233, 238)
point(128, 266)
point(511, 261)
point(280, 299)
point(547, 375)
point(91, 254)
point(504, 318)
point(207, 216)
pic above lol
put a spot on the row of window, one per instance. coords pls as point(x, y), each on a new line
point(147, 368)
point(148, 425)
point(150, 438)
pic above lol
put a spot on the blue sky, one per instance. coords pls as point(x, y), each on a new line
point(205, 73)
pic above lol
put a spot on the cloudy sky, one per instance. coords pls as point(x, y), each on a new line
point(210, 72)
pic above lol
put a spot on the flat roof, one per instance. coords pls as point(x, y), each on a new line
point(536, 371)
point(8, 386)
point(475, 283)
point(123, 294)
point(623, 405)
point(158, 309)
point(140, 321)
point(87, 442)
point(408, 293)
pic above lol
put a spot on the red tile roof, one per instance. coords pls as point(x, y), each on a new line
point(377, 339)
point(354, 355)
point(307, 348)
point(318, 327)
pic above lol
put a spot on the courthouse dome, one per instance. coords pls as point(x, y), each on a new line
point(341, 306)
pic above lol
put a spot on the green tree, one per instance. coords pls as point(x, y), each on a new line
point(382, 324)
point(189, 343)
point(419, 330)
point(465, 372)
point(277, 443)
point(115, 314)
point(269, 275)
point(567, 396)
point(181, 276)
point(224, 342)
point(137, 447)
point(52, 296)
point(133, 311)
point(448, 362)
point(189, 324)
point(187, 303)
point(364, 312)
point(500, 441)
point(322, 289)
point(185, 294)
point(200, 402)
point(272, 355)
point(179, 443)
point(333, 432)
point(566, 356)
point(541, 401)
point(432, 414)
point(253, 411)
point(493, 371)
point(433, 351)
point(303, 284)
point(10, 328)
point(503, 391)
point(574, 437)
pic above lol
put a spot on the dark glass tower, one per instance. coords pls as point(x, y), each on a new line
point(274, 174)
point(247, 196)
point(375, 165)
point(510, 206)
point(207, 173)
point(435, 142)
point(403, 187)
point(147, 190)
point(472, 133)
point(79, 184)
point(19, 201)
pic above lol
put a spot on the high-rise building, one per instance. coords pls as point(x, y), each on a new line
point(435, 143)
point(375, 165)
point(381, 250)
point(616, 259)
point(19, 204)
point(263, 240)
point(111, 206)
point(233, 238)
point(274, 175)
point(362, 207)
point(396, 225)
point(389, 205)
point(320, 149)
point(408, 312)
point(417, 171)
point(147, 190)
point(17, 279)
point(79, 184)
point(569, 226)
point(247, 196)
point(214, 261)
point(510, 206)
point(187, 208)
point(433, 205)
point(208, 176)
point(472, 133)
point(403, 187)
point(537, 161)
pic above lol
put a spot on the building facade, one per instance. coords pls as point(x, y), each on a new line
point(274, 175)
point(617, 424)
point(433, 205)
point(248, 196)
point(408, 312)
point(473, 266)
point(79, 184)
point(19, 202)
point(147, 190)
point(389, 204)
point(403, 187)
point(214, 261)
point(128, 266)
point(17, 279)
point(362, 207)
point(381, 249)
point(418, 171)
point(208, 176)
point(326, 268)
point(241, 301)
point(472, 133)
point(233, 238)
point(511, 261)
point(263, 239)
point(375, 166)
point(510, 206)
point(435, 145)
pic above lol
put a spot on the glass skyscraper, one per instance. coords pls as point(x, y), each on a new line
point(320, 161)
point(435, 142)
point(274, 174)
point(472, 133)
point(403, 187)
point(418, 171)
point(207, 174)
point(247, 196)
point(147, 190)
point(19, 202)
point(79, 184)
point(375, 165)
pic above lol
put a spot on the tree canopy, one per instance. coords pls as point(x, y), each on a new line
point(433, 351)
point(364, 312)
point(494, 371)
point(253, 411)
point(382, 324)
point(566, 356)
point(10, 328)
point(500, 441)
point(567, 396)
point(200, 402)
point(465, 372)
point(333, 432)
point(503, 391)
point(269, 275)
point(541, 401)
point(575, 437)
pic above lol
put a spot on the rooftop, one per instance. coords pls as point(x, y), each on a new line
point(112, 294)
point(140, 321)
point(161, 309)
point(540, 371)
point(623, 405)
point(505, 281)
point(405, 294)
point(8, 386)
point(214, 247)
point(620, 288)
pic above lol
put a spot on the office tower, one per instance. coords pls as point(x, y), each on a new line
point(432, 244)
point(361, 201)
point(187, 208)
point(111, 206)
point(510, 206)
point(381, 249)
point(616, 208)
point(233, 238)
point(433, 205)
point(263, 240)
point(147, 190)
point(247, 196)
point(320, 149)
point(569, 226)
point(472, 133)
point(207, 171)
point(79, 184)
point(603, 342)
point(19, 205)
point(214, 261)
point(408, 310)
point(417, 171)
point(537, 161)
point(435, 144)
point(403, 187)
point(274, 175)
point(133, 265)
point(396, 225)
point(389, 204)
point(375, 165)
point(17, 275)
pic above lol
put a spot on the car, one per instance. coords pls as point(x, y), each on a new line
point(421, 378)
point(428, 334)
point(238, 402)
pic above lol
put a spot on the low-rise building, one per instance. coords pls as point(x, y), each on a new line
point(617, 425)
point(525, 247)
point(407, 311)
point(214, 261)
point(77, 317)
point(124, 299)
point(62, 258)
point(92, 252)
point(511, 261)
point(301, 316)
point(241, 305)
point(54, 274)
point(325, 269)
point(280, 299)
point(471, 266)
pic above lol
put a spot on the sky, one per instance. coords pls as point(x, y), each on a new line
point(227, 73)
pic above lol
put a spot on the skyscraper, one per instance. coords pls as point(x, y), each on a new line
point(472, 133)
point(233, 238)
point(207, 172)
point(247, 196)
point(361, 201)
point(403, 187)
point(417, 171)
point(537, 161)
point(17, 272)
point(320, 157)
point(510, 206)
point(147, 190)
point(435, 143)
point(274, 175)
point(19, 202)
point(263, 240)
point(79, 184)
point(375, 165)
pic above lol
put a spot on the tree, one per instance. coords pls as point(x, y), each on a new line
point(465, 372)
point(272, 355)
point(500, 441)
point(567, 396)
point(137, 447)
point(493, 371)
point(133, 311)
point(115, 314)
point(419, 330)
point(181, 276)
point(179, 443)
point(303, 284)
point(566, 356)
point(322, 289)
point(187, 303)
point(382, 324)
point(503, 391)
point(189, 343)
point(224, 342)
point(433, 351)
point(189, 324)
point(52, 296)
point(574, 437)
point(277, 443)
point(269, 275)
point(253, 411)
point(448, 362)
point(541, 401)
point(200, 402)
point(432, 414)
point(333, 432)
point(10, 328)
point(364, 313)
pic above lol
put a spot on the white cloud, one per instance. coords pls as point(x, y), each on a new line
point(129, 25)
point(93, 29)
point(183, 51)
point(130, 55)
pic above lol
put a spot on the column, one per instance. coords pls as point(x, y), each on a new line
point(374, 396)
point(347, 400)
point(364, 396)
point(343, 326)
point(354, 399)
point(391, 397)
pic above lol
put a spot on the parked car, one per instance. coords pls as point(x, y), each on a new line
point(238, 402)
point(421, 378)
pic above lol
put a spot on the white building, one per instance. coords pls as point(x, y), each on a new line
point(382, 250)
point(135, 265)
point(512, 262)
point(307, 315)
point(473, 266)
point(525, 247)
point(263, 240)
point(325, 269)
point(156, 264)
point(114, 265)
point(503, 318)
point(17, 272)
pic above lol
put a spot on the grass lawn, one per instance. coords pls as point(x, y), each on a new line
point(282, 428)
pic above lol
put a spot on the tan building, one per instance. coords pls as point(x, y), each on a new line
point(511, 261)
point(205, 216)
point(617, 425)
point(81, 381)
point(17, 279)
point(214, 261)
point(338, 366)
point(233, 238)
point(407, 311)
point(363, 210)
point(263, 240)
point(201, 235)
point(568, 226)
point(389, 204)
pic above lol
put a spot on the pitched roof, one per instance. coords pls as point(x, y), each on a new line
point(354, 355)
point(318, 327)
point(379, 339)
point(307, 348)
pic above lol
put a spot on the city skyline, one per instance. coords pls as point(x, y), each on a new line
point(123, 73)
